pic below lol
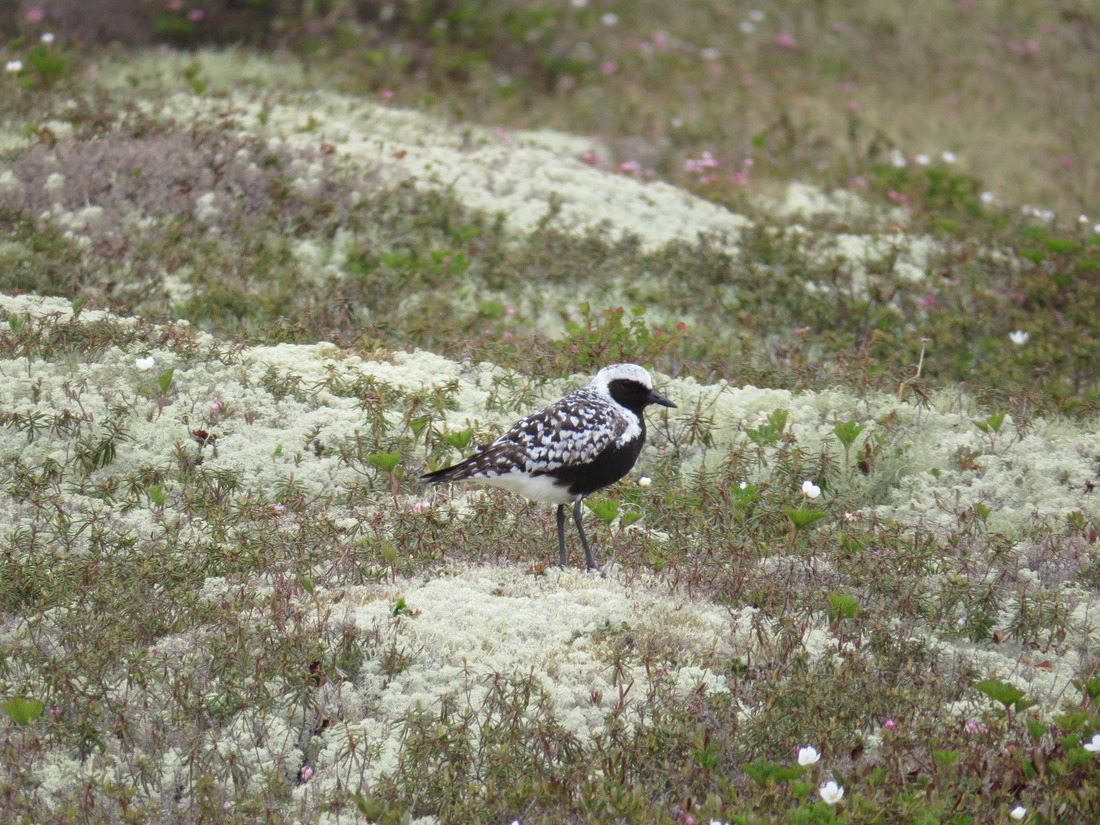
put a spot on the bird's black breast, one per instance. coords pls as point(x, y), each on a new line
point(603, 470)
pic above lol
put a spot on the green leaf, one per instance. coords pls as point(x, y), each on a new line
point(605, 509)
point(768, 434)
point(164, 380)
point(744, 496)
point(801, 518)
point(843, 606)
point(459, 439)
point(1072, 721)
point(385, 461)
point(799, 789)
point(1035, 728)
point(1005, 693)
point(848, 432)
point(22, 711)
point(157, 495)
point(418, 425)
point(389, 552)
point(1091, 688)
point(629, 518)
point(946, 758)
point(765, 772)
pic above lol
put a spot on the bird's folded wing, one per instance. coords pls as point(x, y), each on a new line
point(565, 434)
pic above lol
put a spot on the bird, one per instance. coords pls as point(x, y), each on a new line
point(586, 441)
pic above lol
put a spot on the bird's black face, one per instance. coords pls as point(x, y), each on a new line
point(635, 395)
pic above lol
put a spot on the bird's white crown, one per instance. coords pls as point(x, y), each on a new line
point(615, 372)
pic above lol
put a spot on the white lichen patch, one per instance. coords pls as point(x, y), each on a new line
point(801, 201)
point(464, 629)
point(1043, 472)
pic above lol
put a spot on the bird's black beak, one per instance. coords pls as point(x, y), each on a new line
point(656, 398)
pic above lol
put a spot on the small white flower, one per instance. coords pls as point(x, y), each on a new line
point(748, 27)
point(1096, 228)
point(897, 158)
point(1082, 219)
point(923, 160)
point(949, 157)
point(47, 38)
point(610, 19)
point(1092, 746)
point(808, 756)
point(645, 481)
point(757, 16)
point(743, 485)
point(146, 363)
point(709, 54)
point(987, 197)
point(580, 4)
point(13, 66)
point(1019, 337)
point(831, 792)
point(1019, 812)
point(810, 490)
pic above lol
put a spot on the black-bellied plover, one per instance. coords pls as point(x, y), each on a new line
point(560, 454)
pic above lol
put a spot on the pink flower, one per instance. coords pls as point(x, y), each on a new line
point(196, 15)
point(386, 95)
point(592, 158)
point(305, 773)
point(35, 15)
point(175, 5)
point(630, 166)
point(707, 161)
point(609, 67)
point(928, 301)
point(889, 724)
point(279, 508)
point(422, 506)
point(503, 135)
point(785, 41)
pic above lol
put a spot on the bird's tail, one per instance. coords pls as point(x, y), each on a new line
point(455, 472)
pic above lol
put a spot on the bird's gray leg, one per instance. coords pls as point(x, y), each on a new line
point(591, 562)
point(561, 535)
